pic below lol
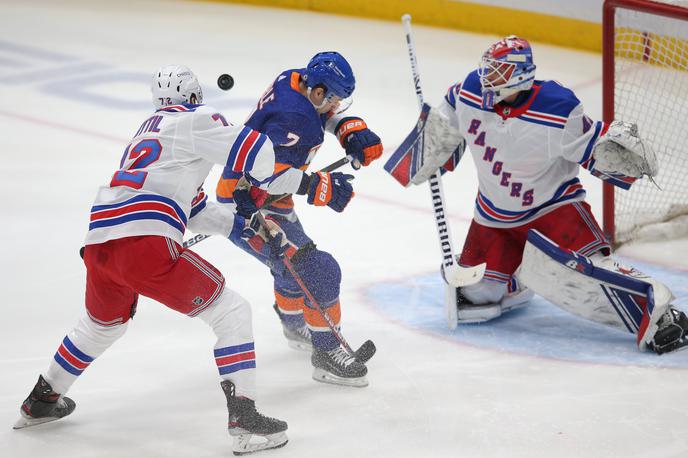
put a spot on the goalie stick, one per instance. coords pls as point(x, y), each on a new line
point(334, 166)
point(366, 350)
point(452, 273)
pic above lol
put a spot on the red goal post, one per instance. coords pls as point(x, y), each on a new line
point(645, 80)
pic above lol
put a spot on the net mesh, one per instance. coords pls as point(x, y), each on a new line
point(651, 89)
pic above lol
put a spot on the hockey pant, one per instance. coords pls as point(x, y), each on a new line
point(320, 273)
point(159, 268)
point(572, 226)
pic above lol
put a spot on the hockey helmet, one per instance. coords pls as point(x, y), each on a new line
point(506, 68)
point(331, 70)
point(174, 84)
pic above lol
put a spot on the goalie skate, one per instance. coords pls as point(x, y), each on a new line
point(297, 338)
point(43, 405)
point(672, 332)
point(246, 424)
point(338, 368)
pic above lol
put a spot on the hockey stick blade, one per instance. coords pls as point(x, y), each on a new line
point(457, 276)
point(365, 352)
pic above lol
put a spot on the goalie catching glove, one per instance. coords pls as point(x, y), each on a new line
point(361, 143)
point(621, 151)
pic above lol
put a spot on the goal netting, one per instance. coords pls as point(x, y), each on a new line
point(646, 82)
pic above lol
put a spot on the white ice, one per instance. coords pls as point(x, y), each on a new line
point(74, 88)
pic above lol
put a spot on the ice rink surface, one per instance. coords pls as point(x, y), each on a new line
point(539, 383)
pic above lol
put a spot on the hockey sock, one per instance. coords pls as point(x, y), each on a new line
point(78, 349)
point(230, 318)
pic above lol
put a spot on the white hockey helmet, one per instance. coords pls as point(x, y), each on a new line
point(174, 84)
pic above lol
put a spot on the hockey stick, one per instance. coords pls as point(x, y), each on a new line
point(454, 275)
point(366, 350)
point(272, 199)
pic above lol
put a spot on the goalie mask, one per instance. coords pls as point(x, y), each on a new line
point(175, 84)
point(506, 68)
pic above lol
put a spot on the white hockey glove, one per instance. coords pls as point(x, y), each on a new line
point(441, 139)
point(622, 151)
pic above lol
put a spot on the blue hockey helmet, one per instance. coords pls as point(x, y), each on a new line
point(331, 70)
point(506, 68)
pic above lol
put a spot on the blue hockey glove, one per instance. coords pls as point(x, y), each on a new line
point(361, 143)
point(271, 245)
point(331, 189)
point(245, 206)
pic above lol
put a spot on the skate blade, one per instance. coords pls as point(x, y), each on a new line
point(25, 422)
point(321, 375)
point(244, 446)
point(300, 346)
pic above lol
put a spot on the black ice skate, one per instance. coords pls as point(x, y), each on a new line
point(338, 367)
point(672, 332)
point(297, 338)
point(43, 405)
point(245, 422)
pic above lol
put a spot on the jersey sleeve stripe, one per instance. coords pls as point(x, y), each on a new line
point(591, 143)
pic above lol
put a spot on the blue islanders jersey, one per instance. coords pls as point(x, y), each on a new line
point(296, 130)
point(527, 156)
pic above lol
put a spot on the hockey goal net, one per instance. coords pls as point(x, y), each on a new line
point(645, 80)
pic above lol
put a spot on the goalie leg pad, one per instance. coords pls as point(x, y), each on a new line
point(604, 291)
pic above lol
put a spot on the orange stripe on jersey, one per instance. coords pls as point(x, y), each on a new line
point(295, 76)
point(314, 319)
point(225, 187)
point(286, 203)
point(289, 305)
point(280, 167)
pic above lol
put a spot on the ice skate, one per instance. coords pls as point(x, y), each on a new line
point(297, 338)
point(43, 405)
point(338, 367)
point(672, 332)
point(245, 422)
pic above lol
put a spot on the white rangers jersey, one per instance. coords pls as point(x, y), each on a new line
point(158, 187)
point(527, 157)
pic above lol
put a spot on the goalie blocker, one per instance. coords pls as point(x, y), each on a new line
point(605, 292)
point(419, 156)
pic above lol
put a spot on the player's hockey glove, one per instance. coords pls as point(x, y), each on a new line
point(248, 201)
point(271, 244)
point(331, 189)
point(247, 198)
point(361, 143)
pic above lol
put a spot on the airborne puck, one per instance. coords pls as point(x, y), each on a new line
point(225, 82)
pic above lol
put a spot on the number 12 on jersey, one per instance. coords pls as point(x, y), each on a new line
point(143, 154)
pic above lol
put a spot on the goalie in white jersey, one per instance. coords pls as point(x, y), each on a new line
point(529, 139)
point(133, 247)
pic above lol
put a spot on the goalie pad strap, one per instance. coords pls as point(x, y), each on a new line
point(620, 299)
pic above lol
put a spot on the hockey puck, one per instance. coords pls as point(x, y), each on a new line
point(225, 82)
